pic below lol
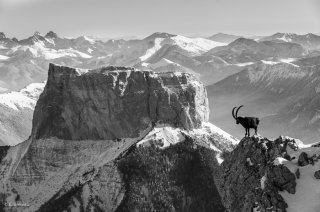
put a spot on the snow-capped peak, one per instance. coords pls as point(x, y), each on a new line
point(194, 46)
point(36, 33)
point(51, 35)
point(89, 39)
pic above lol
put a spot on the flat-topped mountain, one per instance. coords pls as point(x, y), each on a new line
point(116, 102)
point(101, 137)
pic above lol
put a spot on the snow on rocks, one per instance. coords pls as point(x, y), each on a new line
point(26, 98)
point(263, 182)
point(162, 136)
point(249, 162)
point(2, 57)
point(210, 136)
point(305, 166)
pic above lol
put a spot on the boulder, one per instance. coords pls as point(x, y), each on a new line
point(317, 174)
point(303, 159)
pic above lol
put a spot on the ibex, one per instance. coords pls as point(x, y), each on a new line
point(246, 122)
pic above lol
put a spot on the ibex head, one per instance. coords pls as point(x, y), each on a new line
point(235, 115)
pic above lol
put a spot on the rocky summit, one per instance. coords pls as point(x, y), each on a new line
point(270, 175)
point(116, 139)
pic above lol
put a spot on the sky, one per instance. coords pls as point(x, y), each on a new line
point(121, 18)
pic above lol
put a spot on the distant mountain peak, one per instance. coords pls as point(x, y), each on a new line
point(2, 35)
point(51, 34)
point(15, 39)
point(36, 34)
point(159, 35)
point(241, 40)
point(223, 38)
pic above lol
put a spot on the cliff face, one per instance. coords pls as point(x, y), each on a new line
point(116, 139)
point(116, 102)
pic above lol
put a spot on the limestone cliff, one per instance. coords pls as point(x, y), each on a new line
point(116, 139)
point(116, 102)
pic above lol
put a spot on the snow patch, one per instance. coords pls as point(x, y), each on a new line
point(269, 62)
point(289, 61)
point(2, 57)
point(162, 136)
point(244, 64)
point(89, 39)
point(161, 63)
point(3, 47)
point(285, 37)
point(26, 98)
point(249, 161)
point(154, 49)
point(16, 100)
point(195, 45)
point(307, 193)
point(263, 182)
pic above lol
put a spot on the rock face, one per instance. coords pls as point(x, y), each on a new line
point(251, 178)
point(116, 102)
point(83, 154)
point(317, 174)
point(303, 159)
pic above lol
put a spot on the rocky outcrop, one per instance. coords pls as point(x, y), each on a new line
point(317, 174)
point(116, 102)
point(251, 178)
point(303, 159)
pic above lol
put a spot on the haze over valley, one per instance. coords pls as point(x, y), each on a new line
point(275, 77)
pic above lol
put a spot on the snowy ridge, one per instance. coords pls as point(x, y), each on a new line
point(26, 98)
point(39, 50)
point(195, 46)
point(164, 136)
point(286, 37)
